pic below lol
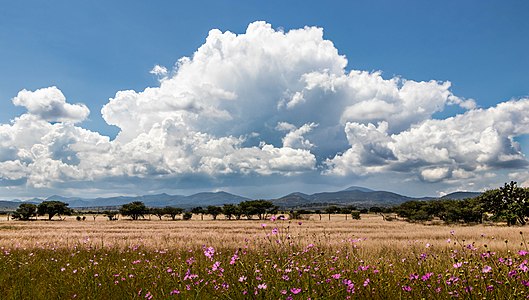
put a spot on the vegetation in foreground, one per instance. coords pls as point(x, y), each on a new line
point(280, 262)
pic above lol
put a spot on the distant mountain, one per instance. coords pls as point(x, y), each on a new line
point(461, 195)
point(157, 200)
point(356, 196)
point(358, 188)
point(12, 205)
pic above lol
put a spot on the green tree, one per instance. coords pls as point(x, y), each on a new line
point(199, 210)
point(510, 203)
point(52, 208)
point(110, 214)
point(230, 211)
point(25, 211)
point(214, 211)
point(261, 208)
point(134, 210)
point(331, 210)
point(173, 211)
point(157, 211)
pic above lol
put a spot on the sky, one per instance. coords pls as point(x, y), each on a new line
point(262, 98)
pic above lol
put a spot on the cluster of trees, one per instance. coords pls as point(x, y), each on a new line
point(262, 209)
point(26, 211)
point(509, 204)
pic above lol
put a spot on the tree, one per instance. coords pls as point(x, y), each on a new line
point(509, 202)
point(110, 214)
point(173, 211)
point(331, 210)
point(158, 211)
point(52, 208)
point(231, 210)
point(198, 210)
point(261, 208)
point(214, 211)
point(187, 215)
point(135, 210)
point(25, 211)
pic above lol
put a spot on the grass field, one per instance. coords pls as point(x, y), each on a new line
point(317, 259)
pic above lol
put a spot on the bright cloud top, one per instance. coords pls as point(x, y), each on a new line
point(263, 102)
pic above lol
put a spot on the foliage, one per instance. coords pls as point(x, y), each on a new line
point(214, 211)
point(199, 211)
point(111, 215)
point(355, 215)
point(187, 215)
point(172, 212)
point(450, 211)
point(261, 208)
point(231, 211)
point(25, 211)
point(509, 203)
point(134, 210)
point(52, 208)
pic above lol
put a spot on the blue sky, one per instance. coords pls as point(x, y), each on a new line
point(90, 51)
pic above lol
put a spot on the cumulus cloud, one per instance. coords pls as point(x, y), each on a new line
point(263, 102)
point(480, 139)
point(49, 104)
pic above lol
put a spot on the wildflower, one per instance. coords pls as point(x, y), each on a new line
point(275, 231)
point(490, 288)
point(234, 258)
point(174, 292)
point(299, 223)
point(63, 269)
point(458, 265)
point(406, 288)
point(242, 278)
point(295, 291)
point(263, 225)
point(283, 292)
point(273, 218)
point(486, 269)
point(366, 282)
point(262, 286)
point(523, 253)
point(209, 252)
point(336, 276)
point(426, 276)
point(414, 276)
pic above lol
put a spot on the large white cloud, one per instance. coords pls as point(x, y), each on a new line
point(480, 139)
point(260, 103)
point(50, 104)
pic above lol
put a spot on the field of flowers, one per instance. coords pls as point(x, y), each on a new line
point(275, 259)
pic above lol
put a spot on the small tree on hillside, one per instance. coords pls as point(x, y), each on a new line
point(52, 208)
point(134, 210)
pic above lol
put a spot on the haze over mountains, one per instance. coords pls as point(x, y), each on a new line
point(354, 195)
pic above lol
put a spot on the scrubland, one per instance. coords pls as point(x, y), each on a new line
point(261, 259)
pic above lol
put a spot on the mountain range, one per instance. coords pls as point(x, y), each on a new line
point(354, 195)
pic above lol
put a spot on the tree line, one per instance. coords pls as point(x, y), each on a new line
point(509, 204)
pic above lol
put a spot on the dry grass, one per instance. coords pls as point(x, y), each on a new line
point(375, 233)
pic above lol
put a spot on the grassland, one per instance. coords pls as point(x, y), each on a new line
point(281, 259)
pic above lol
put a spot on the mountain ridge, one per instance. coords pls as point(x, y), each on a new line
point(353, 195)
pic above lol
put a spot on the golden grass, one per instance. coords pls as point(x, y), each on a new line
point(374, 233)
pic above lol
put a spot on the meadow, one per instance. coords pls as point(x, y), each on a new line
point(261, 259)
